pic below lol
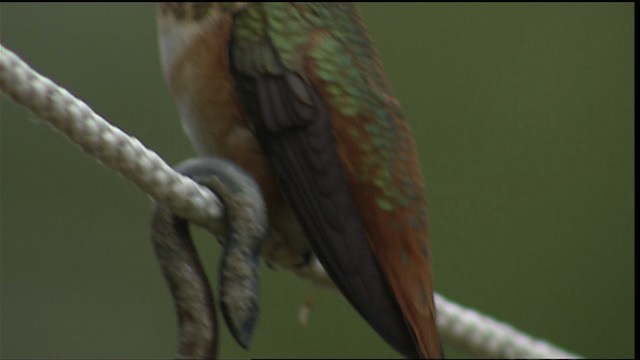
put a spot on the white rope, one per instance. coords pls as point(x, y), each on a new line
point(107, 143)
point(482, 336)
point(464, 328)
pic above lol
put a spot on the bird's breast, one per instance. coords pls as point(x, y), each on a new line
point(196, 66)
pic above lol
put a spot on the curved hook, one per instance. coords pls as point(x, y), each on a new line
point(245, 232)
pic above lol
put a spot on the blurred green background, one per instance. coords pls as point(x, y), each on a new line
point(523, 114)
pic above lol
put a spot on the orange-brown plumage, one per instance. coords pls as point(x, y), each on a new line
point(200, 81)
point(296, 95)
point(400, 237)
point(402, 249)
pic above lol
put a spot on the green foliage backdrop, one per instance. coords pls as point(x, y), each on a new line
point(523, 114)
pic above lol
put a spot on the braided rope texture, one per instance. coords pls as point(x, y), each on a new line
point(463, 328)
point(107, 143)
point(482, 336)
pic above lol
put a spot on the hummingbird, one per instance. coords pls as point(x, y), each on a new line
point(296, 95)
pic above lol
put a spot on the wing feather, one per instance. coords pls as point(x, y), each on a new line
point(302, 109)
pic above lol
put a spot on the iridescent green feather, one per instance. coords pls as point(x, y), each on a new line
point(276, 38)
